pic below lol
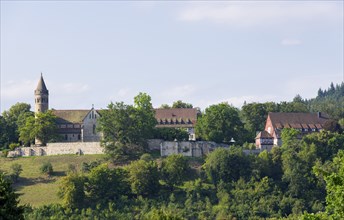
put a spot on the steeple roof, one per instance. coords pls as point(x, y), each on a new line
point(41, 85)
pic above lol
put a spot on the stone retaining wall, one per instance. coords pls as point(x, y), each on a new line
point(59, 148)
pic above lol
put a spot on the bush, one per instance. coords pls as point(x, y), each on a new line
point(4, 153)
point(47, 168)
point(14, 146)
point(146, 157)
point(16, 170)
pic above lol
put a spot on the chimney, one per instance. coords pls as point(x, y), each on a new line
point(319, 114)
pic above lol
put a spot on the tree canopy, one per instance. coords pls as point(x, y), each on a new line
point(42, 126)
point(220, 123)
point(126, 128)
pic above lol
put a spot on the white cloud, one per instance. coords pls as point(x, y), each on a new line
point(243, 14)
point(290, 42)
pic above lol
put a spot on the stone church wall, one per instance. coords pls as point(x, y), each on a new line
point(89, 130)
point(59, 148)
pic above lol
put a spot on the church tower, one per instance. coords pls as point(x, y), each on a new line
point(41, 101)
point(41, 97)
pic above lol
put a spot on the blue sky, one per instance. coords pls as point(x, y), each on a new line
point(95, 52)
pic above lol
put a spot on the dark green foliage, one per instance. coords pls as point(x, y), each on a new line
point(330, 101)
point(126, 128)
point(9, 208)
point(42, 126)
point(47, 168)
point(104, 184)
point(227, 165)
point(220, 123)
point(334, 177)
point(171, 134)
point(86, 167)
point(16, 171)
point(72, 190)
point(10, 121)
point(174, 169)
point(143, 177)
point(146, 157)
point(181, 104)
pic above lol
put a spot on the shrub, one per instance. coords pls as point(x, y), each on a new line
point(16, 170)
point(14, 146)
point(46, 168)
point(146, 157)
point(4, 153)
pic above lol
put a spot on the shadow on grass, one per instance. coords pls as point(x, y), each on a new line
point(23, 182)
point(59, 173)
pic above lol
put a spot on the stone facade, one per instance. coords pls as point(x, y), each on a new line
point(89, 127)
point(188, 148)
point(59, 149)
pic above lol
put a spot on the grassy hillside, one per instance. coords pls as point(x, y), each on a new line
point(36, 188)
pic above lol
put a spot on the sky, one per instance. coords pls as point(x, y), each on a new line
point(200, 52)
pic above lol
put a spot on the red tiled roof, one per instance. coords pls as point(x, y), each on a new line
point(298, 120)
point(176, 117)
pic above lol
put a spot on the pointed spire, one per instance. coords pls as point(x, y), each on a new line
point(41, 84)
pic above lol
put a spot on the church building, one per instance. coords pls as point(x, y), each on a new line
point(81, 125)
point(73, 125)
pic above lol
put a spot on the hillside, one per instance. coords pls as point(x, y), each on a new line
point(37, 189)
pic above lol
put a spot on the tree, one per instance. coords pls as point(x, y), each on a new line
point(16, 171)
point(42, 127)
point(171, 134)
point(220, 123)
point(9, 208)
point(13, 117)
point(165, 106)
point(174, 169)
point(106, 184)
point(144, 116)
point(334, 186)
point(47, 168)
point(254, 116)
point(72, 190)
point(126, 128)
point(143, 177)
point(181, 104)
point(227, 165)
point(4, 137)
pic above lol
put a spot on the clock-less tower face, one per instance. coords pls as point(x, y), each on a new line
point(41, 97)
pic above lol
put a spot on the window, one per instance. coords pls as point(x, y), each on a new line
point(66, 137)
point(94, 129)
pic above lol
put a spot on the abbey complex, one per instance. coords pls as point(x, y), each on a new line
point(80, 125)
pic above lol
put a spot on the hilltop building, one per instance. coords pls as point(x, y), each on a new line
point(80, 125)
point(306, 123)
point(178, 118)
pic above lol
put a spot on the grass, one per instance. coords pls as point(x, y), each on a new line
point(38, 189)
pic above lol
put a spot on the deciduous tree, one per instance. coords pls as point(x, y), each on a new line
point(220, 123)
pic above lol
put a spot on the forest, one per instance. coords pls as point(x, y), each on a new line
point(302, 179)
